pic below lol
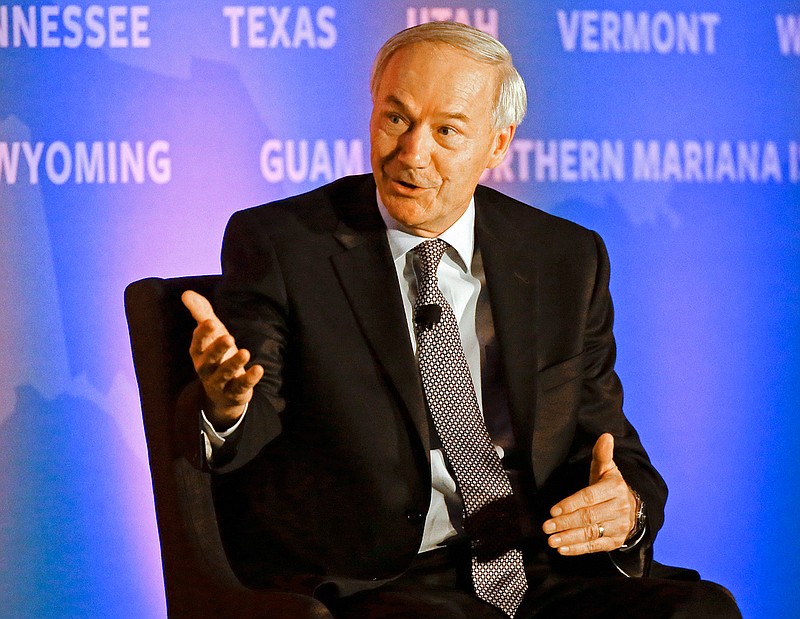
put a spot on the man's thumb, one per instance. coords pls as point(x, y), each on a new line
point(198, 305)
point(602, 457)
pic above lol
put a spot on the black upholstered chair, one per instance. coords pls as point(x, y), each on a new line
point(197, 577)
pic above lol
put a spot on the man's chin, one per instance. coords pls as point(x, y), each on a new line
point(406, 211)
point(409, 213)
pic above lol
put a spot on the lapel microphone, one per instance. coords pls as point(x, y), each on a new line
point(425, 316)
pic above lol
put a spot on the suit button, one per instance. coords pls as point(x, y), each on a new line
point(414, 517)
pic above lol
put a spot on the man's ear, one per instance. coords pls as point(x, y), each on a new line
point(502, 140)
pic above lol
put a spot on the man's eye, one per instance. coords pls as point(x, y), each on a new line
point(394, 119)
point(447, 131)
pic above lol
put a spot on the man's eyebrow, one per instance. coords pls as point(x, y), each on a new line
point(393, 100)
point(457, 116)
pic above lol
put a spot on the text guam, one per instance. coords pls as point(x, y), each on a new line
point(298, 161)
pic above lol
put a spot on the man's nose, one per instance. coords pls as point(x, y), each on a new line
point(414, 147)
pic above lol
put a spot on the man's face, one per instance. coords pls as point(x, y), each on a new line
point(432, 134)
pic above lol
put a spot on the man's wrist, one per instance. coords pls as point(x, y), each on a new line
point(210, 428)
point(214, 441)
point(222, 418)
point(640, 522)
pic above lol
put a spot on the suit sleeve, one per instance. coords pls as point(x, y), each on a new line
point(251, 302)
point(600, 410)
point(602, 400)
point(629, 454)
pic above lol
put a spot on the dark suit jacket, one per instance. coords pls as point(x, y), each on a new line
point(330, 478)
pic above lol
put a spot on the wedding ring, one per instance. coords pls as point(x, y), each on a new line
point(600, 530)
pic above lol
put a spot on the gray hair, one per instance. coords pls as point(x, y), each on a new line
point(512, 99)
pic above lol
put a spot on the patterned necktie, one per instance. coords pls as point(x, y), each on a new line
point(498, 573)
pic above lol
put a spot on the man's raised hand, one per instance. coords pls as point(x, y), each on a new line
point(599, 517)
point(219, 364)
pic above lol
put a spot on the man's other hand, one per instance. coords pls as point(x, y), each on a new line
point(219, 364)
point(601, 516)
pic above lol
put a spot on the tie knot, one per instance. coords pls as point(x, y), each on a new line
point(430, 254)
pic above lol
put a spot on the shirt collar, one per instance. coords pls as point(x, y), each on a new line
point(460, 236)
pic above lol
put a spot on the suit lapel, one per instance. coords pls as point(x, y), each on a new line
point(511, 277)
point(367, 275)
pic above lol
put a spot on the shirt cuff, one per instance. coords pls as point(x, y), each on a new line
point(214, 440)
point(621, 552)
point(628, 546)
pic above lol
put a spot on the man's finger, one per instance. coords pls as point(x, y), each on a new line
point(609, 530)
point(588, 497)
point(604, 544)
point(231, 364)
point(206, 334)
point(242, 384)
point(199, 306)
point(209, 361)
point(602, 458)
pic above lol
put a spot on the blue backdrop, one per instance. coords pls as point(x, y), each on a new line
point(129, 134)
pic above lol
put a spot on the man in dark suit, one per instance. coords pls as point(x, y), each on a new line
point(336, 473)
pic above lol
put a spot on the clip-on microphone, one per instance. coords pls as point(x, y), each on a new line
point(425, 316)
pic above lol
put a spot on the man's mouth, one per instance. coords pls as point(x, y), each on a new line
point(411, 186)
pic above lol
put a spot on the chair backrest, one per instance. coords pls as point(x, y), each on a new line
point(197, 576)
